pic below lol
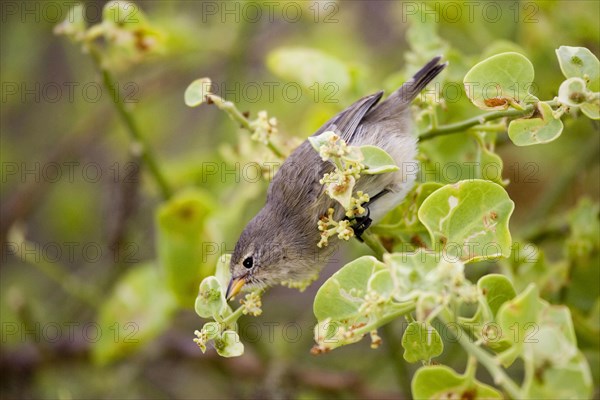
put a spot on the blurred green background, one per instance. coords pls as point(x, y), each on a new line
point(84, 309)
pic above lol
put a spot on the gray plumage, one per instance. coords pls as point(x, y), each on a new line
point(280, 242)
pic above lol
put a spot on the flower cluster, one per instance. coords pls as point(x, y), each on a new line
point(124, 36)
point(330, 227)
point(350, 163)
point(347, 159)
point(252, 304)
point(211, 303)
point(356, 204)
point(263, 127)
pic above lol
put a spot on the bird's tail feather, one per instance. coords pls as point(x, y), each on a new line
point(412, 88)
point(402, 97)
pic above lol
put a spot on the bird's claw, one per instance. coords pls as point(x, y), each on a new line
point(361, 224)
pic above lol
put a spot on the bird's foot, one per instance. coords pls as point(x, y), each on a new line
point(361, 224)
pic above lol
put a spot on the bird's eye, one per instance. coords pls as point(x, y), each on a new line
point(248, 262)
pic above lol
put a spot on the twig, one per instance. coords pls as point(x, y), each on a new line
point(126, 117)
point(490, 363)
point(237, 116)
point(401, 309)
point(471, 122)
point(373, 242)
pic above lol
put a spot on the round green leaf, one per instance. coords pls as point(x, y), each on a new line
point(496, 290)
point(572, 92)
point(441, 382)
point(212, 330)
point(211, 299)
point(421, 342)
point(579, 62)
point(571, 381)
point(308, 67)
point(530, 131)
point(499, 81)
point(517, 316)
point(491, 165)
point(195, 93)
point(409, 272)
point(381, 282)
point(591, 110)
point(229, 345)
point(341, 296)
point(377, 161)
point(469, 220)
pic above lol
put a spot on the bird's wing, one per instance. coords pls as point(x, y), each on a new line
point(346, 122)
point(298, 178)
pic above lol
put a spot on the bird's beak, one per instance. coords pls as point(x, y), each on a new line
point(234, 287)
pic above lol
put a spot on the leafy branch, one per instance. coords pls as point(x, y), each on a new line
point(261, 129)
point(474, 122)
point(135, 38)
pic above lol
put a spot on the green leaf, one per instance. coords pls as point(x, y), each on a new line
point(185, 249)
point(138, 310)
point(579, 62)
point(469, 220)
point(559, 369)
point(381, 282)
point(195, 93)
point(496, 290)
point(410, 272)
point(493, 290)
point(421, 341)
point(491, 165)
point(550, 347)
point(211, 300)
point(573, 92)
point(529, 131)
point(518, 317)
point(441, 382)
point(212, 329)
point(499, 81)
point(308, 67)
point(229, 345)
point(377, 161)
point(341, 296)
point(572, 381)
point(359, 294)
point(591, 110)
point(403, 221)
